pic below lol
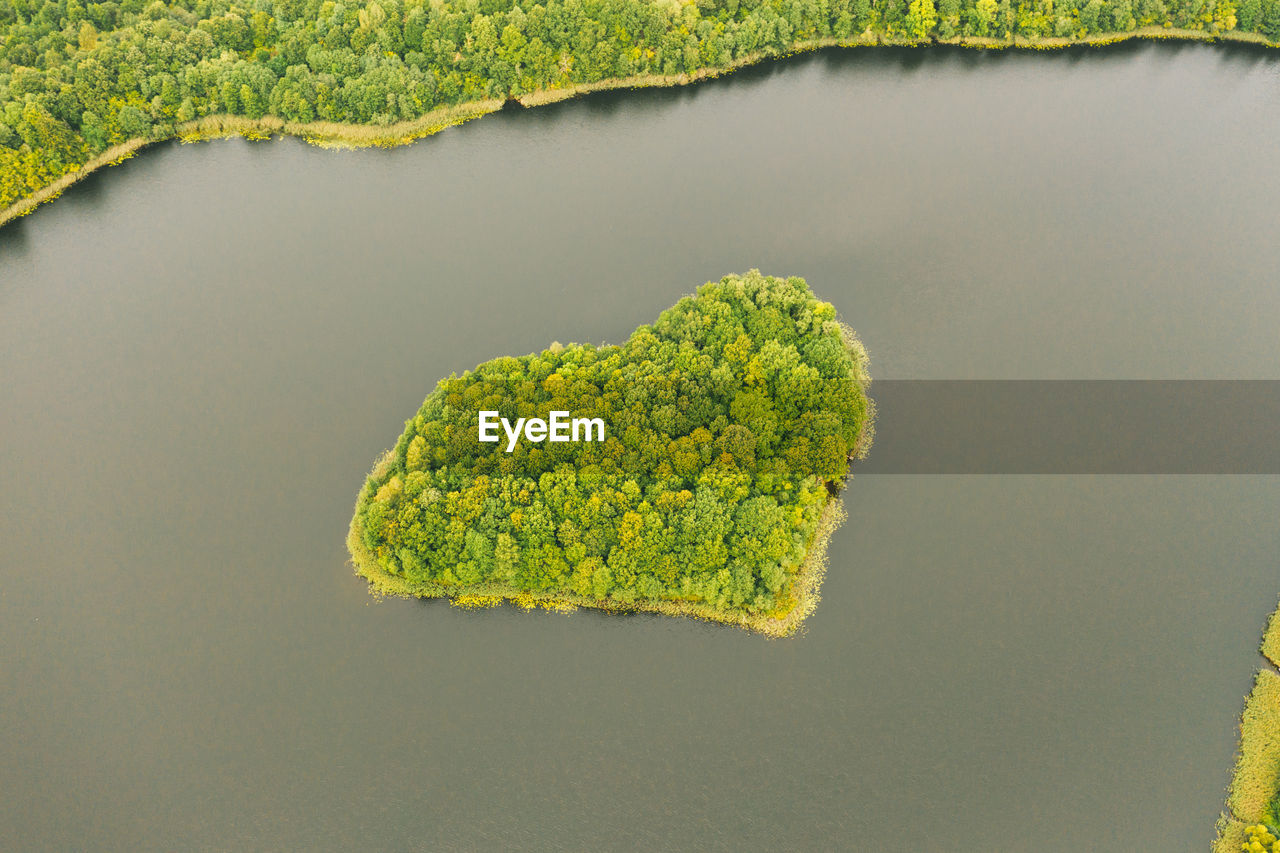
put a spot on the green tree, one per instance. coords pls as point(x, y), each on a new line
point(921, 18)
point(984, 17)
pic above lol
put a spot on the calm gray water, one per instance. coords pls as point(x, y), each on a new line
point(204, 350)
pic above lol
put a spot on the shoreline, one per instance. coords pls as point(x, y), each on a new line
point(113, 155)
point(1255, 776)
point(349, 136)
point(1270, 647)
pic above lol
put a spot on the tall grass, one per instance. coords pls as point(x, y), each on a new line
point(329, 134)
point(1255, 784)
point(1257, 775)
point(1271, 640)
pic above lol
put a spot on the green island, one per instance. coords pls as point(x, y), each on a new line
point(87, 84)
point(1252, 821)
point(728, 428)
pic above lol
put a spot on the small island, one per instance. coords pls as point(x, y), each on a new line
point(728, 426)
point(1252, 820)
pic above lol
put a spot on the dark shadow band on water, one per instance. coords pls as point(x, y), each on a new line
point(1075, 427)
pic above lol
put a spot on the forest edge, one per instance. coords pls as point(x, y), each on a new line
point(342, 135)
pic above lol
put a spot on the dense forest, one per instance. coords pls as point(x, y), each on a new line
point(729, 424)
point(78, 77)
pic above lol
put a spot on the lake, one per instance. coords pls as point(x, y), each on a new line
point(205, 349)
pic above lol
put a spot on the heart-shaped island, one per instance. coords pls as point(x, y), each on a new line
point(694, 470)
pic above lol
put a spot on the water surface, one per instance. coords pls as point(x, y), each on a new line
point(205, 349)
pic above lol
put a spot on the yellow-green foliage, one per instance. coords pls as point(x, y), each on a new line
point(1271, 641)
point(1253, 800)
point(52, 190)
point(1258, 838)
point(1257, 776)
point(727, 426)
point(1230, 835)
point(476, 602)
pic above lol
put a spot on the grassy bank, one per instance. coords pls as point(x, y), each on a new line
point(1271, 641)
point(1255, 784)
point(1152, 33)
point(342, 135)
point(335, 135)
point(323, 134)
point(110, 157)
point(1258, 768)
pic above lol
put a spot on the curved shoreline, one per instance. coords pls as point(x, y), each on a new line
point(1255, 778)
point(113, 155)
point(342, 135)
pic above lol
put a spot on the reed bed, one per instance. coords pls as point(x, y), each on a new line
point(1255, 784)
point(1271, 640)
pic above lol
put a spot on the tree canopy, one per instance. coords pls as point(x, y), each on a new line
point(78, 77)
point(729, 423)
